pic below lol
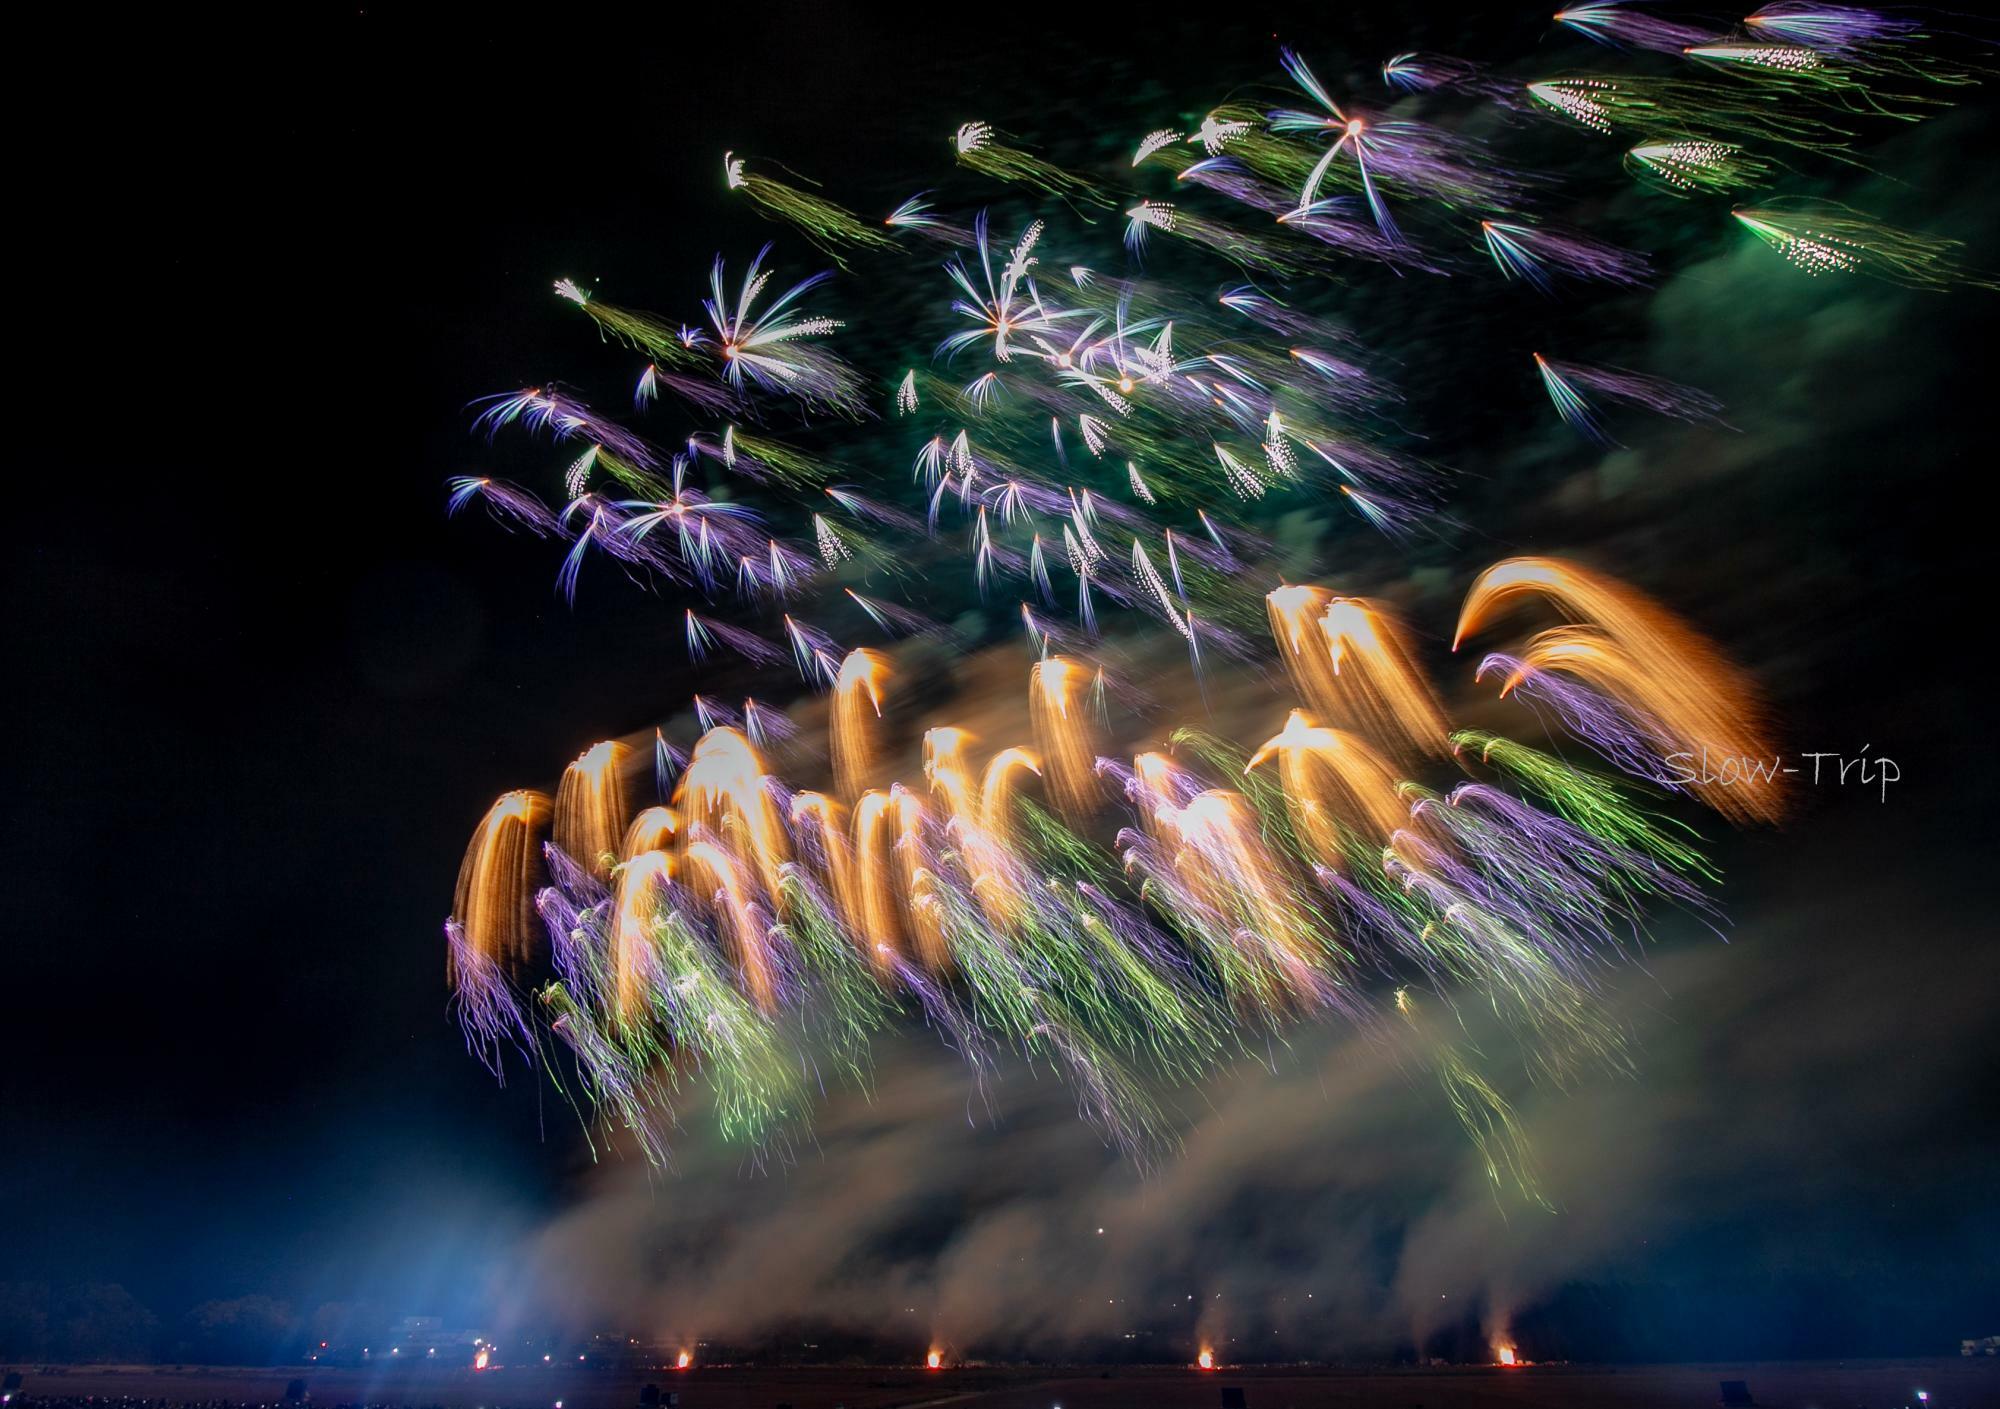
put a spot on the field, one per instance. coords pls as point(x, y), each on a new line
point(1868, 1384)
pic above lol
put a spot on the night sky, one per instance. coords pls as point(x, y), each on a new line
point(262, 689)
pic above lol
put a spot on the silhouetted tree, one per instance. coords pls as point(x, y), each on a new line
point(244, 1330)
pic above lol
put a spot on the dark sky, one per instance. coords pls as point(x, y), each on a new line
point(263, 689)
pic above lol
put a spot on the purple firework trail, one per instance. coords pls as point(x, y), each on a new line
point(1628, 25)
point(1572, 385)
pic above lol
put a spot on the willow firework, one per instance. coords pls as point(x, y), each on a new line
point(1216, 794)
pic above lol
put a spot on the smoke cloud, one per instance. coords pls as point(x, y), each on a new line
point(1324, 1198)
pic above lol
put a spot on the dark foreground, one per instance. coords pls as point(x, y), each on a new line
point(1866, 1384)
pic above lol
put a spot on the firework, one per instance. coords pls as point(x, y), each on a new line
point(653, 829)
point(700, 940)
point(1539, 256)
point(761, 459)
point(590, 809)
point(1120, 901)
point(1416, 159)
point(1590, 801)
point(1005, 308)
point(493, 905)
point(710, 715)
point(1830, 28)
point(916, 214)
point(773, 350)
point(1241, 248)
point(1414, 72)
point(1575, 390)
point(827, 225)
point(813, 651)
point(620, 452)
point(666, 342)
point(1063, 733)
point(976, 147)
point(1697, 165)
point(507, 503)
point(703, 533)
point(1335, 784)
point(1688, 108)
point(857, 704)
point(642, 882)
point(1350, 135)
point(1163, 139)
point(1802, 71)
point(723, 793)
point(1620, 23)
point(1631, 744)
point(1225, 892)
point(1678, 689)
point(1378, 688)
point(1823, 238)
point(705, 634)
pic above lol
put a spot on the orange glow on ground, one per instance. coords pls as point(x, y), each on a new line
point(934, 1361)
point(1206, 1360)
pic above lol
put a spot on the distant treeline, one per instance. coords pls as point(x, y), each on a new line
point(102, 1322)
